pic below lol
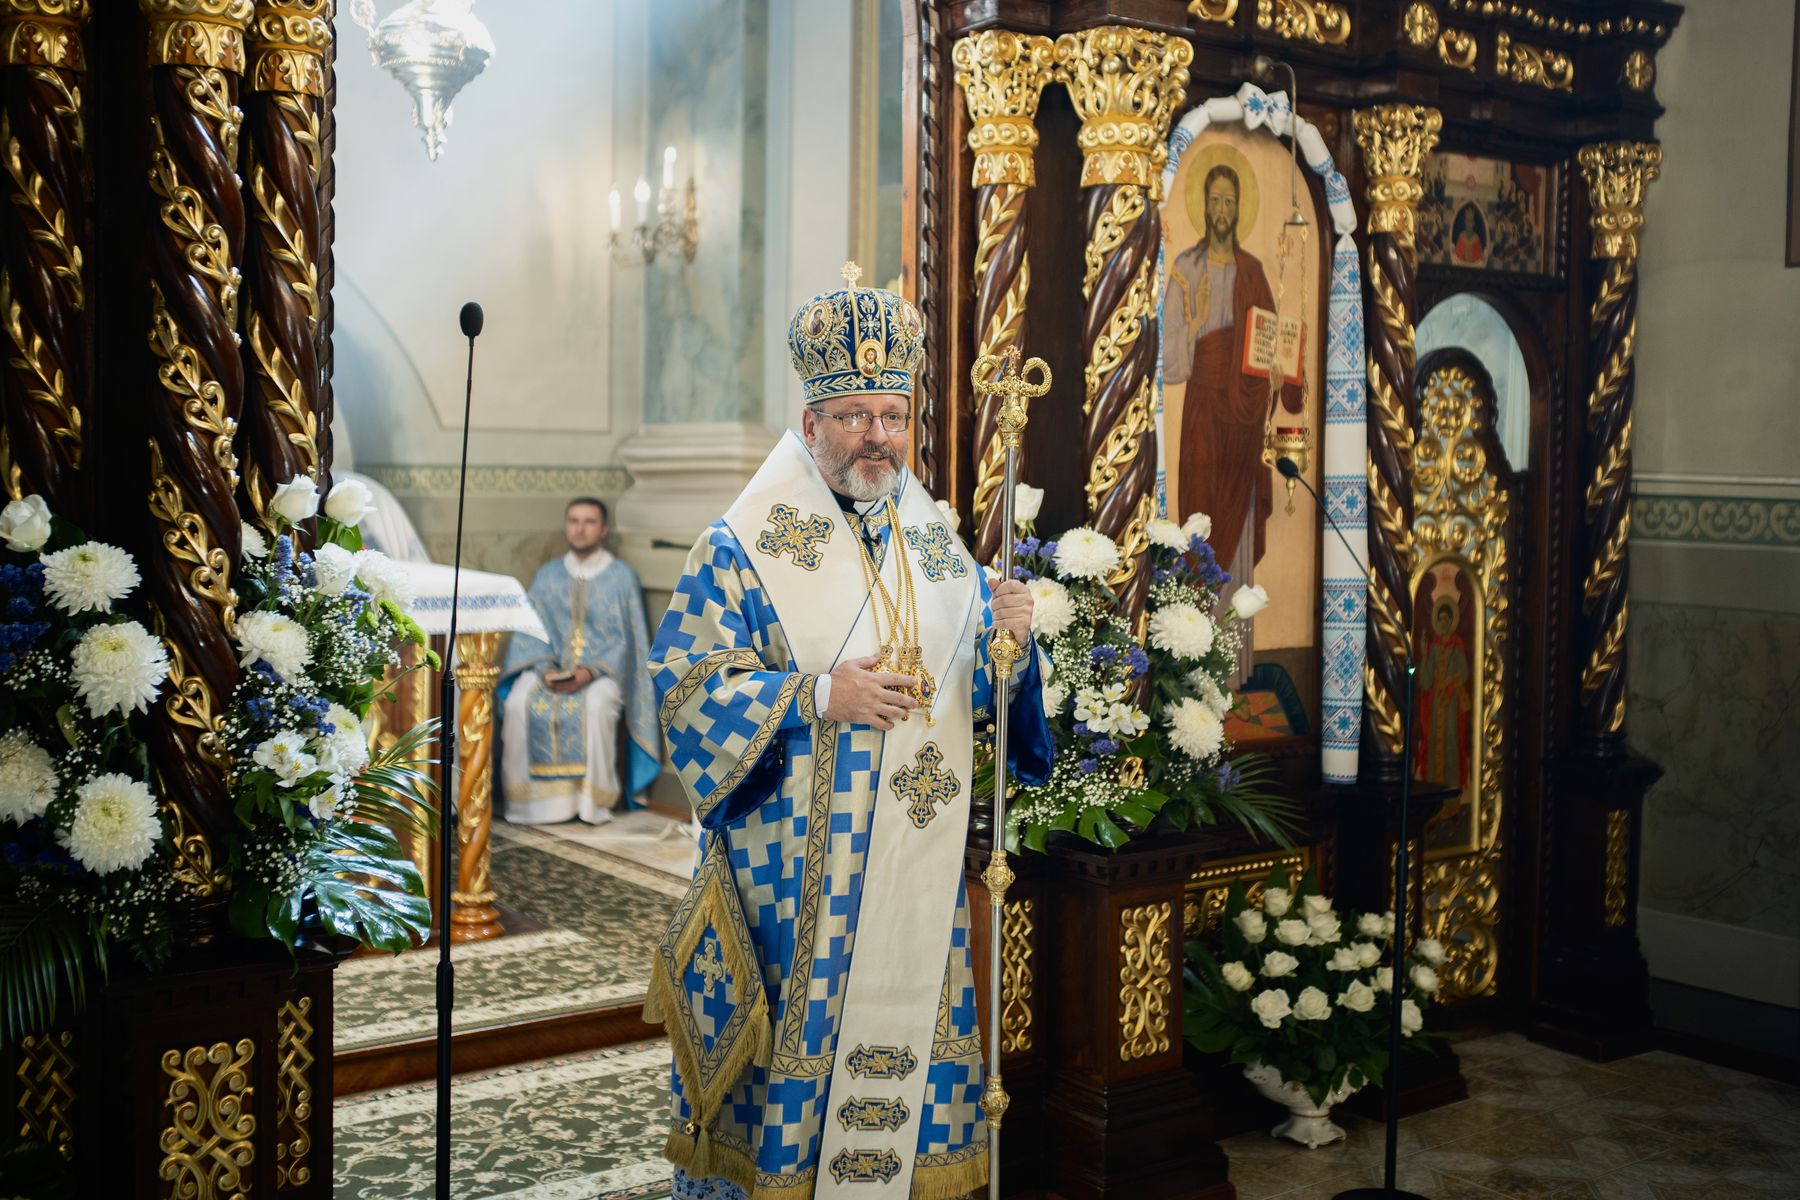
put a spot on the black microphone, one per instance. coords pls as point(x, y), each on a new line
point(1291, 470)
point(470, 320)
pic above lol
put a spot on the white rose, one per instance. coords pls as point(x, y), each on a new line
point(1343, 959)
point(25, 524)
point(1237, 976)
point(297, 499)
point(1246, 602)
point(1358, 997)
point(1279, 963)
point(952, 518)
point(1369, 925)
point(1027, 500)
point(1198, 525)
point(1270, 1007)
point(350, 501)
point(333, 569)
point(1292, 932)
point(1432, 951)
point(1411, 1019)
point(1317, 905)
point(1251, 924)
point(1276, 901)
point(1325, 928)
point(1313, 1005)
point(1384, 979)
point(1367, 954)
point(1387, 924)
point(1425, 979)
point(1165, 533)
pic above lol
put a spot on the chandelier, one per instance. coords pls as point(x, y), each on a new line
point(434, 48)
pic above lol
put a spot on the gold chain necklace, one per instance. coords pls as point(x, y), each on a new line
point(900, 651)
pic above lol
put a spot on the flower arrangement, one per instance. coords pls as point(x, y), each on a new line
point(1294, 985)
point(317, 633)
point(1139, 728)
point(84, 851)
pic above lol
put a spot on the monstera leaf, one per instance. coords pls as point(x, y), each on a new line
point(367, 888)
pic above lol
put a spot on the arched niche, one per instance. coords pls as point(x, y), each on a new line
point(1468, 321)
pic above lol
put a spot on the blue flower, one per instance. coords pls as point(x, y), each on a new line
point(1140, 662)
point(1103, 654)
point(1229, 776)
point(1087, 766)
point(1081, 727)
point(1026, 547)
point(1022, 572)
point(1105, 746)
point(283, 559)
point(1048, 550)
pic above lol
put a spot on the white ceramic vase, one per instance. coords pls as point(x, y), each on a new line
point(1308, 1123)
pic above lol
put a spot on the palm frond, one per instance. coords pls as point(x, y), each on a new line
point(45, 953)
point(394, 790)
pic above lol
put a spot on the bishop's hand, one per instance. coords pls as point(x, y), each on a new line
point(863, 695)
point(1011, 606)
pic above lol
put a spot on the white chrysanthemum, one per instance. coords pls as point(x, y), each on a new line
point(27, 777)
point(1055, 696)
point(1183, 630)
point(1194, 729)
point(277, 640)
point(1211, 694)
point(254, 543)
point(345, 750)
point(1052, 611)
point(285, 755)
point(115, 826)
point(1166, 533)
point(90, 576)
point(333, 568)
point(118, 667)
point(1082, 553)
point(384, 579)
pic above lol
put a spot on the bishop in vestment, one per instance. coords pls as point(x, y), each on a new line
point(823, 677)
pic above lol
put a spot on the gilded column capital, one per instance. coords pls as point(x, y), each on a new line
point(1126, 84)
point(1617, 175)
point(1001, 75)
point(198, 33)
point(1395, 138)
point(288, 43)
point(43, 33)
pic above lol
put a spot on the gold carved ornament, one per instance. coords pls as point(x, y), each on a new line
point(477, 673)
point(46, 1078)
point(1017, 979)
point(288, 43)
point(43, 33)
point(1618, 866)
point(198, 33)
point(1639, 71)
point(1617, 176)
point(1551, 23)
point(293, 1093)
point(1126, 84)
point(1318, 21)
point(1461, 517)
point(1395, 139)
point(1532, 64)
point(1458, 48)
point(1001, 75)
point(1219, 12)
point(1420, 24)
point(1144, 986)
point(206, 1145)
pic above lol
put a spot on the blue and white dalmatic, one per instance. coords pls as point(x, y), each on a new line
point(816, 981)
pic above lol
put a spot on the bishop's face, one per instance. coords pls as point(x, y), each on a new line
point(857, 452)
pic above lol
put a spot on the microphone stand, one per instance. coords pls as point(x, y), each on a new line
point(449, 820)
point(1389, 1189)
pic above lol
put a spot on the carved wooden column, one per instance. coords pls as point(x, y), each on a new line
point(1126, 84)
point(473, 917)
point(1001, 75)
point(196, 59)
point(1617, 175)
point(282, 160)
point(46, 372)
point(1394, 140)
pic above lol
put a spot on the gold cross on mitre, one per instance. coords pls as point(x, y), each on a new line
point(851, 273)
point(1000, 375)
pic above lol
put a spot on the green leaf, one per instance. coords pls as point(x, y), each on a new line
point(44, 956)
point(366, 888)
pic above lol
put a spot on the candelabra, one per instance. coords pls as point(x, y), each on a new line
point(677, 224)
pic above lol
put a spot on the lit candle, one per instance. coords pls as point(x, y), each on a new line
point(642, 195)
point(669, 169)
point(613, 206)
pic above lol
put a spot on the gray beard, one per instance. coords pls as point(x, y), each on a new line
point(840, 471)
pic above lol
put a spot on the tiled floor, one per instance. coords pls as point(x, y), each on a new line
point(1547, 1126)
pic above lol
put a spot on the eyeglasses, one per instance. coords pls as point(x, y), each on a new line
point(859, 422)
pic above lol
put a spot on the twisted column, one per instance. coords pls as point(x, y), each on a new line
point(283, 115)
point(1394, 139)
point(1126, 84)
point(925, 145)
point(196, 58)
point(45, 370)
point(473, 916)
point(1001, 75)
point(1617, 175)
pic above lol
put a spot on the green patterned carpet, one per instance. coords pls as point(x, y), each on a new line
point(603, 914)
point(588, 1127)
